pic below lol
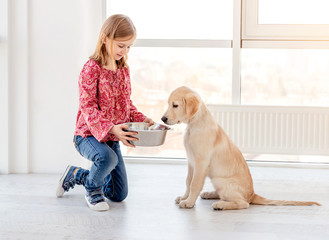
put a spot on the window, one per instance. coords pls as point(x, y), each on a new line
point(173, 19)
point(285, 77)
point(240, 52)
point(171, 51)
point(155, 72)
point(285, 20)
point(285, 54)
point(304, 12)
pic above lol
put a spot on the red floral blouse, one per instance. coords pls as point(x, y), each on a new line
point(104, 101)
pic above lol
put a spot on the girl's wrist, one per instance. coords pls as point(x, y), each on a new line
point(111, 129)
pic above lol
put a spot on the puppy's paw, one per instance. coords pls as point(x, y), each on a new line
point(186, 204)
point(209, 195)
point(220, 205)
point(178, 199)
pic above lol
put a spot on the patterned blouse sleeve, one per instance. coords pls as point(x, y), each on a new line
point(135, 115)
point(98, 125)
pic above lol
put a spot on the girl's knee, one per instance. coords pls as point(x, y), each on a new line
point(116, 195)
point(107, 159)
point(119, 197)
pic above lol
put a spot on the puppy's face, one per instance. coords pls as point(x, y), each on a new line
point(183, 103)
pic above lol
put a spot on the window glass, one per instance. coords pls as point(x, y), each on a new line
point(285, 77)
point(155, 72)
point(293, 12)
point(183, 19)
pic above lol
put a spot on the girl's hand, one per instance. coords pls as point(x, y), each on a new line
point(123, 136)
point(149, 121)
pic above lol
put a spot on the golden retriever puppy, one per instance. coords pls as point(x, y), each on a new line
point(211, 153)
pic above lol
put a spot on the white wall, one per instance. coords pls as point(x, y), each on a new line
point(48, 43)
point(4, 146)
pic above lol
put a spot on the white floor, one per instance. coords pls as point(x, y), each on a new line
point(30, 210)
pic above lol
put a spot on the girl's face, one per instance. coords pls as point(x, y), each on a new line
point(121, 46)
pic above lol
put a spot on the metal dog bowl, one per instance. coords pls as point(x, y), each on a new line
point(148, 136)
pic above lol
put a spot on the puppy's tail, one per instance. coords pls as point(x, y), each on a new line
point(258, 200)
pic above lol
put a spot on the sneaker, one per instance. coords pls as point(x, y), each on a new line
point(96, 201)
point(67, 181)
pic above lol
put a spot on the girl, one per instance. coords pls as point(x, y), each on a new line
point(104, 104)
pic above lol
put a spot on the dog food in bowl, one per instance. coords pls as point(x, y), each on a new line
point(149, 136)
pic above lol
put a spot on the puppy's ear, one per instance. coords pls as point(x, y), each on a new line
point(192, 104)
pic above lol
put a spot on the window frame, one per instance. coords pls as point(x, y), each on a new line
point(255, 35)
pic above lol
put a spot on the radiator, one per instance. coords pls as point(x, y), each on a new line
point(275, 130)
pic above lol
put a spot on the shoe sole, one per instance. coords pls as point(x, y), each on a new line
point(94, 207)
point(60, 190)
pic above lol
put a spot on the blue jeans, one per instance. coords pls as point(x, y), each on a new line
point(108, 171)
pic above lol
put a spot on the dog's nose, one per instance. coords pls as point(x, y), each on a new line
point(164, 119)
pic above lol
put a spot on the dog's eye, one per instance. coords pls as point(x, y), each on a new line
point(174, 105)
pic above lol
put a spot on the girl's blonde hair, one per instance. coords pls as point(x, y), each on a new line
point(116, 26)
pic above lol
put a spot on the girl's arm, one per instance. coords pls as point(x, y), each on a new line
point(136, 116)
point(98, 125)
